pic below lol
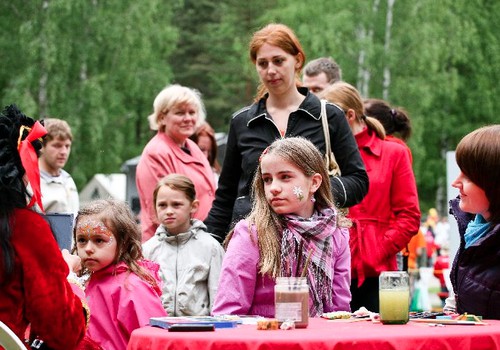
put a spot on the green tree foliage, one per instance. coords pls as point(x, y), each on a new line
point(442, 60)
point(96, 64)
point(99, 65)
point(212, 55)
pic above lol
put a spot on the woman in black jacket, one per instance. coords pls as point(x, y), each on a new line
point(281, 109)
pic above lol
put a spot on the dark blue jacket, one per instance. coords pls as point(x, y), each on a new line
point(252, 130)
point(475, 274)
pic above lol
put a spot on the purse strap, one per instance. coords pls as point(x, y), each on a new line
point(326, 130)
point(331, 162)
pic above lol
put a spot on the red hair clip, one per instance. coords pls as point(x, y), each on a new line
point(29, 159)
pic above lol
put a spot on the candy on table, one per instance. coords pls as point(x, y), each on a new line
point(335, 315)
point(267, 324)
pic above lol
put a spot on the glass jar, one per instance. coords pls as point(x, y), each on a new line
point(394, 297)
point(291, 299)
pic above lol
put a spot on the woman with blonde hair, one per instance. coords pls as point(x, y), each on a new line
point(178, 110)
point(386, 219)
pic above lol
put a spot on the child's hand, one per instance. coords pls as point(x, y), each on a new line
point(73, 261)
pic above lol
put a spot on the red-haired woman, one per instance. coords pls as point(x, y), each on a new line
point(281, 108)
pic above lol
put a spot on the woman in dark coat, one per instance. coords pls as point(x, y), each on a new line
point(281, 109)
point(475, 274)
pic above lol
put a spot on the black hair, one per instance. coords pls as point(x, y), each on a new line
point(13, 191)
point(394, 119)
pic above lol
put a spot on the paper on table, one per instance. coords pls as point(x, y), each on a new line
point(349, 320)
point(447, 321)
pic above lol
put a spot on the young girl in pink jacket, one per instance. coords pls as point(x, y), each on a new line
point(292, 218)
point(123, 290)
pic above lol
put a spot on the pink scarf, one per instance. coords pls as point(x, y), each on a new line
point(314, 237)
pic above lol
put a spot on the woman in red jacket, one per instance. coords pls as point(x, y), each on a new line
point(386, 219)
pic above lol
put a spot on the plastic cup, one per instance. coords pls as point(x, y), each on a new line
point(394, 297)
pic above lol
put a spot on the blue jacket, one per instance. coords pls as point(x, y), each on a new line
point(252, 130)
point(475, 274)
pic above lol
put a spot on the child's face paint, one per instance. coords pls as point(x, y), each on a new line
point(95, 243)
point(297, 190)
point(288, 190)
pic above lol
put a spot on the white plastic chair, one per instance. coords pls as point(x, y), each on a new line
point(9, 340)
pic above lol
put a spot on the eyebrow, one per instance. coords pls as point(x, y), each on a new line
point(94, 234)
point(273, 57)
point(280, 172)
point(173, 201)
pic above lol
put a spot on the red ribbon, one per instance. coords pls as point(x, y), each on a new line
point(29, 159)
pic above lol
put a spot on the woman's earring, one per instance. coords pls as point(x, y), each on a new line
point(313, 199)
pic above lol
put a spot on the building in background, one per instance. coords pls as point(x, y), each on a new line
point(104, 186)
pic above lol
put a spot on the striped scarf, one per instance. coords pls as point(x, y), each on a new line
point(314, 237)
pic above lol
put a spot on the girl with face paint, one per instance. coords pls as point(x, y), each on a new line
point(123, 290)
point(293, 226)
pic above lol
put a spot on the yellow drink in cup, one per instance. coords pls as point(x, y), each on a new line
point(394, 297)
point(394, 306)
